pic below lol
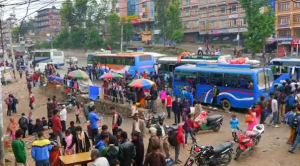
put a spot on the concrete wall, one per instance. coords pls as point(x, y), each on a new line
point(102, 106)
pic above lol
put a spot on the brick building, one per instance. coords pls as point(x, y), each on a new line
point(49, 21)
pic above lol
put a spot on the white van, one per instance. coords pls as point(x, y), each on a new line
point(40, 67)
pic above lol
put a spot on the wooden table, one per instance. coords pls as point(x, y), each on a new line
point(79, 158)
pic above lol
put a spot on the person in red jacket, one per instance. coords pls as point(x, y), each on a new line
point(56, 125)
point(169, 105)
point(180, 142)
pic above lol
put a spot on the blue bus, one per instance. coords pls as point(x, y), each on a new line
point(285, 68)
point(240, 86)
point(123, 62)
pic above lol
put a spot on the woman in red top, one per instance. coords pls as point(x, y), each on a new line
point(169, 105)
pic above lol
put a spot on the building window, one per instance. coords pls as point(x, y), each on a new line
point(203, 2)
point(297, 33)
point(243, 22)
point(223, 24)
point(202, 25)
point(284, 20)
point(212, 12)
point(296, 18)
point(284, 6)
point(223, 10)
point(212, 25)
point(203, 13)
point(187, 25)
point(187, 13)
point(195, 24)
point(284, 33)
point(234, 9)
point(187, 2)
point(118, 10)
point(144, 4)
point(296, 4)
point(212, 1)
point(233, 23)
point(192, 12)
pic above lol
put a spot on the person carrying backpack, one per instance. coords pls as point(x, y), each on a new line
point(23, 124)
point(290, 122)
point(116, 121)
point(110, 152)
point(297, 137)
point(176, 139)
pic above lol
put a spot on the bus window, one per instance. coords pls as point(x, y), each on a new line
point(90, 57)
point(57, 53)
point(230, 80)
point(121, 61)
point(216, 79)
point(129, 61)
point(245, 81)
point(203, 78)
point(264, 79)
point(145, 58)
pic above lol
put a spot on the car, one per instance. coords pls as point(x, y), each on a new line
point(73, 60)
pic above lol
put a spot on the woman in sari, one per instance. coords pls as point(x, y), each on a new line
point(251, 123)
point(68, 142)
point(54, 152)
point(12, 128)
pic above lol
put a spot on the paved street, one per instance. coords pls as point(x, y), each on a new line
point(272, 150)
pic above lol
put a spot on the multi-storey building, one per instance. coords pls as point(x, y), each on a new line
point(213, 21)
point(287, 26)
point(141, 13)
point(7, 25)
point(49, 21)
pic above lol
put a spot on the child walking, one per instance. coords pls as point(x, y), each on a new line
point(234, 123)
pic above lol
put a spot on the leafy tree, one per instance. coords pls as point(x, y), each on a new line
point(161, 17)
point(96, 12)
point(128, 30)
point(80, 12)
point(62, 40)
point(77, 38)
point(114, 30)
point(94, 40)
point(15, 33)
point(67, 13)
point(174, 23)
point(260, 25)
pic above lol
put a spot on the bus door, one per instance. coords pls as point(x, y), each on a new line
point(295, 73)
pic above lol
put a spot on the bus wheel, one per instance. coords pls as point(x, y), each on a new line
point(226, 105)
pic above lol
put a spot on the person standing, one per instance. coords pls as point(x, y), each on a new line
point(30, 123)
point(103, 142)
point(14, 104)
point(81, 141)
point(63, 118)
point(94, 124)
point(56, 125)
point(154, 96)
point(55, 103)
point(77, 112)
point(12, 128)
point(155, 158)
point(180, 142)
point(20, 72)
point(290, 122)
point(86, 110)
point(9, 103)
point(139, 146)
point(98, 161)
point(117, 120)
point(169, 105)
point(127, 150)
point(138, 126)
point(18, 147)
point(176, 111)
point(297, 139)
point(50, 108)
point(275, 112)
point(23, 124)
point(40, 150)
point(234, 124)
point(31, 100)
point(215, 97)
point(188, 127)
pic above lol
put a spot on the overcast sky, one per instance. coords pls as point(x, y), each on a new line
point(20, 10)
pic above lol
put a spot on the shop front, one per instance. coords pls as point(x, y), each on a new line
point(284, 46)
point(224, 36)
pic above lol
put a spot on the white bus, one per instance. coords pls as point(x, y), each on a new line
point(55, 56)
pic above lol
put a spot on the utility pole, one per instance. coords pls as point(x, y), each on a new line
point(12, 54)
point(2, 160)
point(121, 38)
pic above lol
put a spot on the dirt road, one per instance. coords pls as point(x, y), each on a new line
point(272, 150)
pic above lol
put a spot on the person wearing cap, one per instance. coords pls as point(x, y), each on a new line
point(63, 117)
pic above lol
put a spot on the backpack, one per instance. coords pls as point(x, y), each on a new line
point(111, 153)
point(120, 119)
point(172, 139)
point(15, 100)
point(23, 122)
point(295, 121)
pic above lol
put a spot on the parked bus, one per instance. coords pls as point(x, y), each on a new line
point(240, 85)
point(285, 68)
point(55, 56)
point(130, 62)
point(90, 56)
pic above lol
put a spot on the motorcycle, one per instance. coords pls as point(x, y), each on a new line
point(70, 103)
point(153, 119)
point(248, 140)
point(209, 155)
point(214, 123)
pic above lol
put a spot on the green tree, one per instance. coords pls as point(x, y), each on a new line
point(94, 40)
point(128, 30)
point(160, 17)
point(67, 13)
point(63, 39)
point(260, 25)
point(77, 38)
point(174, 24)
point(114, 30)
point(15, 33)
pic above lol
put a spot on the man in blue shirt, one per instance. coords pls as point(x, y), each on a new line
point(93, 117)
point(297, 140)
point(103, 142)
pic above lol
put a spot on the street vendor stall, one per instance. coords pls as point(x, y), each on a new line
point(54, 82)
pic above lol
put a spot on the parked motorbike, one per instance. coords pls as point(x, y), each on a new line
point(214, 123)
point(153, 119)
point(70, 103)
point(248, 140)
point(209, 155)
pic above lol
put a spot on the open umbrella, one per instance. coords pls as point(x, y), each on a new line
point(141, 83)
point(111, 75)
point(78, 74)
